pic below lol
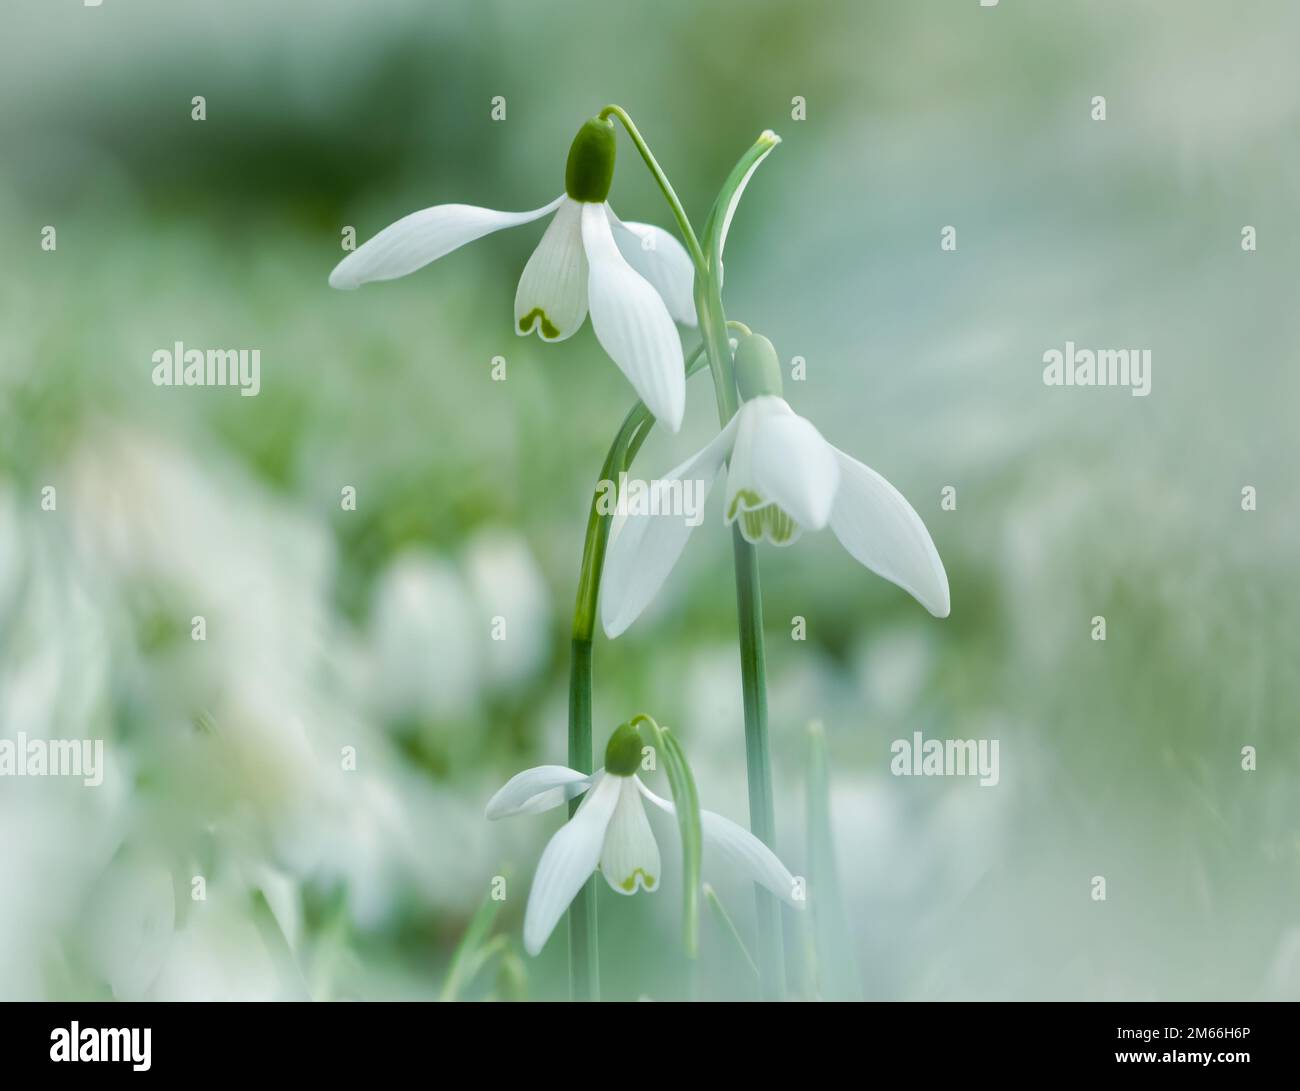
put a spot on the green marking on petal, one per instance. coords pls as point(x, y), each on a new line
point(534, 317)
point(780, 527)
point(768, 522)
point(629, 884)
point(746, 497)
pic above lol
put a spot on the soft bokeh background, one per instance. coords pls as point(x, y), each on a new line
point(371, 629)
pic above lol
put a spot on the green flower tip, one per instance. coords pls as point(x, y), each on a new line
point(767, 136)
point(590, 170)
point(758, 371)
point(623, 753)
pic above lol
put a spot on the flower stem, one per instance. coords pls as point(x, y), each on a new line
point(717, 346)
point(670, 194)
point(584, 951)
point(584, 948)
point(758, 756)
point(753, 667)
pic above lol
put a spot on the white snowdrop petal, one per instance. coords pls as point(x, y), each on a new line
point(733, 847)
point(552, 294)
point(879, 528)
point(663, 261)
point(569, 860)
point(630, 857)
point(794, 467)
point(632, 323)
point(643, 548)
point(742, 488)
point(415, 240)
point(536, 790)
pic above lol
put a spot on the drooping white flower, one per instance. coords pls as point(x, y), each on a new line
point(611, 832)
point(783, 479)
point(633, 278)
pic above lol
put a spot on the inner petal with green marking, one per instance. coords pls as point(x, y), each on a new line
point(647, 881)
point(761, 521)
point(537, 317)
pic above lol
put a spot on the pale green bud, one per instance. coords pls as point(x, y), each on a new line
point(758, 371)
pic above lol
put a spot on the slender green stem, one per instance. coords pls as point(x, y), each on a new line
point(713, 329)
point(728, 926)
point(758, 755)
point(584, 951)
point(753, 669)
point(670, 194)
point(717, 347)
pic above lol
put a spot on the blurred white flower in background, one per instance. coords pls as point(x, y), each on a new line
point(55, 838)
point(53, 670)
point(508, 583)
point(893, 667)
point(426, 640)
point(130, 918)
point(220, 954)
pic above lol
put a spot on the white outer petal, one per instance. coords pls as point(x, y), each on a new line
point(738, 849)
point(643, 548)
point(879, 528)
point(570, 858)
point(794, 466)
point(537, 790)
point(663, 261)
point(555, 278)
point(631, 853)
point(632, 323)
point(415, 240)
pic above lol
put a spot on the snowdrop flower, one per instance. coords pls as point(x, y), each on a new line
point(612, 832)
point(634, 278)
point(783, 479)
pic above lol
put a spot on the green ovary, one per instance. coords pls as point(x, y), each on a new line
point(534, 316)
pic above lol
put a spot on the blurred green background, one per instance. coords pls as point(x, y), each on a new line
point(371, 629)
